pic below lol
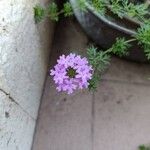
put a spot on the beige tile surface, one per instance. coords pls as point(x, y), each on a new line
point(127, 71)
point(121, 116)
point(65, 121)
point(115, 118)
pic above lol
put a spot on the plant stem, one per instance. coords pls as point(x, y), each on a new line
point(108, 51)
point(57, 14)
point(131, 40)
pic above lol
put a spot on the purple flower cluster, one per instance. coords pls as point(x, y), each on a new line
point(71, 72)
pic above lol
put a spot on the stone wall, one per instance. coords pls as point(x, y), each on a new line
point(24, 52)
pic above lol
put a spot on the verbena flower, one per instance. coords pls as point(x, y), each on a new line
point(71, 72)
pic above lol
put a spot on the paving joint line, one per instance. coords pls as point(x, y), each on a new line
point(93, 120)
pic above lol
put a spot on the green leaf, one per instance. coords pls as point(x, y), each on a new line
point(126, 8)
point(143, 147)
point(99, 6)
point(120, 48)
point(132, 10)
point(143, 34)
point(116, 8)
point(99, 61)
point(67, 9)
point(52, 11)
point(39, 13)
point(93, 83)
point(82, 5)
point(143, 37)
point(147, 51)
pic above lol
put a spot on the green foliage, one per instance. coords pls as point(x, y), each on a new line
point(119, 7)
point(138, 11)
point(93, 83)
point(39, 13)
point(98, 58)
point(82, 5)
point(143, 37)
point(120, 48)
point(116, 7)
point(99, 6)
point(143, 147)
point(143, 34)
point(122, 8)
point(52, 11)
point(147, 51)
point(67, 9)
point(99, 61)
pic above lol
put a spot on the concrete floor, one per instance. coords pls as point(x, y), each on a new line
point(116, 117)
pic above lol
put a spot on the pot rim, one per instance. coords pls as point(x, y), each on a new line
point(108, 22)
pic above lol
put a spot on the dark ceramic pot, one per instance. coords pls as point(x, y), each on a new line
point(105, 29)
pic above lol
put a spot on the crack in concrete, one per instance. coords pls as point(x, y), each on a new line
point(14, 101)
point(93, 120)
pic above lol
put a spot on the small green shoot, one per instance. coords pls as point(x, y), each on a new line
point(67, 9)
point(52, 11)
point(39, 13)
point(143, 38)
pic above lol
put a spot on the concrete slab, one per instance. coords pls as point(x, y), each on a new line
point(24, 52)
point(121, 116)
point(116, 118)
point(69, 37)
point(64, 121)
point(126, 71)
point(16, 125)
point(24, 55)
